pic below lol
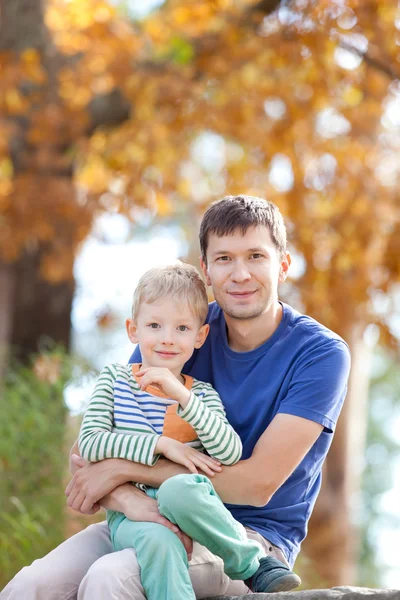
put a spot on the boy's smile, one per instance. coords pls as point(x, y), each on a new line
point(167, 332)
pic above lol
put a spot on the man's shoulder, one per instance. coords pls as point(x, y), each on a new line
point(308, 337)
point(214, 313)
point(308, 328)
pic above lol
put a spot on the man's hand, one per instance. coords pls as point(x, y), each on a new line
point(166, 381)
point(126, 498)
point(187, 456)
point(91, 482)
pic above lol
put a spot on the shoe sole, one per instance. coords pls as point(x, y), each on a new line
point(284, 584)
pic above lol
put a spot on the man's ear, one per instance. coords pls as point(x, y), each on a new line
point(284, 267)
point(202, 336)
point(131, 330)
point(203, 266)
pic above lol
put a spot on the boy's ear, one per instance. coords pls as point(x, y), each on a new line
point(202, 336)
point(131, 330)
point(203, 266)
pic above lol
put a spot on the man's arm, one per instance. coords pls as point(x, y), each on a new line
point(277, 453)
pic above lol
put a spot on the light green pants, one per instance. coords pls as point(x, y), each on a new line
point(190, 502)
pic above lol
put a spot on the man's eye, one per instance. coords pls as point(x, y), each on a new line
point(154, 325)
point(256, 255)
point(224, 258)
point(183, 328)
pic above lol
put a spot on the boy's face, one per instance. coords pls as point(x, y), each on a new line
point(244, 272)
point(167, 333)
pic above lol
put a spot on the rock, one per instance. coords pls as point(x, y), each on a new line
point(336, 593)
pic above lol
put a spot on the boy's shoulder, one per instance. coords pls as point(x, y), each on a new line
point(202, 388)
point(114, 370)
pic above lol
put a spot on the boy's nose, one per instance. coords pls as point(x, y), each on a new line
point(167, 339)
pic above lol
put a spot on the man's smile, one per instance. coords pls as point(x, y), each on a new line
point(242, 294)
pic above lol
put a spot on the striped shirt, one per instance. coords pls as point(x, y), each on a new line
point(123, 421)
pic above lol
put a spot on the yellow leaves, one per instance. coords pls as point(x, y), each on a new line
point(6, 183)
point(163, 205)
point(6, 168)
point(352, 95)
point(94, 175)
point(77, 14)
point(15, 102)
point(344, 262)
point(250, 75)
point(31, 65)
point(75, 97)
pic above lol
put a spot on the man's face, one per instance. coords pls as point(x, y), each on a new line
point(244, 272)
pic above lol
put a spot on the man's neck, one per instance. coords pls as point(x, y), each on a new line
point(248, 334)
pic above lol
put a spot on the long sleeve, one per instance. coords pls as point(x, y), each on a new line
point(96, 438)
point(206, 414)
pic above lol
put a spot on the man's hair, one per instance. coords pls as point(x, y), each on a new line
point(225, 216)
point(177, 282)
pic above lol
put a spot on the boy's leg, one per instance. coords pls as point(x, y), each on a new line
point(161, 556)
point(191, 502)
point(58, 575)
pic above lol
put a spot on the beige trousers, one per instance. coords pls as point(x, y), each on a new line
point(84, 567)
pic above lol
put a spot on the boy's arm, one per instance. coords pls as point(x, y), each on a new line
point(206, 414)
point(96, 439)
point(280, 449)
point(252, 482)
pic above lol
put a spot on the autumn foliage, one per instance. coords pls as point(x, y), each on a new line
point(303, 97)
point(297, 101)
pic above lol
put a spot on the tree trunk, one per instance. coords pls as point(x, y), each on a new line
point(332, 543)
point(32, 311)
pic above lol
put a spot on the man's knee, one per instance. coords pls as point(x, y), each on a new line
point(36, 582)
point(179, 494)
point(109, 574)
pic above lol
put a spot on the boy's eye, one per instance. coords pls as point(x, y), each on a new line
point(183, 328)
point(223, 258)
point(256, 255)
point(154, 325)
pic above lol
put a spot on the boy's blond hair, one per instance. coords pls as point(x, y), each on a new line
point(179, 281)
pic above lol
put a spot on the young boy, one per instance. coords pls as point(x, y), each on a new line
point(139, 412)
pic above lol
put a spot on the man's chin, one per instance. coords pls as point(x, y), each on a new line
point(243, 314)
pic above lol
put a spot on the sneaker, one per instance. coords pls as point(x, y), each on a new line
point(273, 576)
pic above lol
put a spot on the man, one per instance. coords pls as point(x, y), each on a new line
point(282, 378)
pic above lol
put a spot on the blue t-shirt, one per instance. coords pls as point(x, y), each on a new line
point(301, 370)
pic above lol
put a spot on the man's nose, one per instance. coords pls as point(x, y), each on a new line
point(240, 272)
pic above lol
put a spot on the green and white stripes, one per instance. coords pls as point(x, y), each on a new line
point(206, 414)
point(122, 421)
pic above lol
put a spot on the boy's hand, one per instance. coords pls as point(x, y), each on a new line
point(166, 381)
point(187, 456)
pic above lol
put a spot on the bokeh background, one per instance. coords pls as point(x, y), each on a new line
point(120, 122)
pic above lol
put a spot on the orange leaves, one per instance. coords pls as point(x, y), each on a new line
point(278, 87)
point(48, 368)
